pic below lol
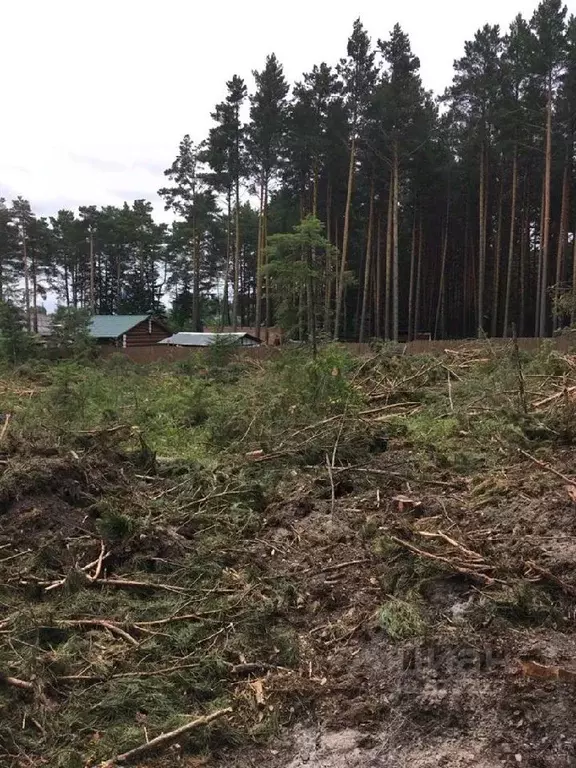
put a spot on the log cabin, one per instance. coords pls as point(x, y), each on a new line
point(128, 330)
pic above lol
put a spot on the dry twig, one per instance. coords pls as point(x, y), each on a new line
point(468, 571)
point(163, 740)
point(113, 628)
point(547, 467)
point(16, 683)
point(5, 426)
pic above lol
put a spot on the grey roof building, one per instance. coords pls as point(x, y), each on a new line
point(187, 339)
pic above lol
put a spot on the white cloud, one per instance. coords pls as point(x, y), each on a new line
point(97, 95)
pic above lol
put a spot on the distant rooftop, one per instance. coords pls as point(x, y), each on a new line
point(113, 326)
point(187, 339)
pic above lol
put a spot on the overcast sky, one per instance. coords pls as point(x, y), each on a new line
point(96, 95)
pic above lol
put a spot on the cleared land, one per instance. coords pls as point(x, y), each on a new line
point(370, 561)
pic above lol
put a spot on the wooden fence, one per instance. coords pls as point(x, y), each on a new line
point(161, 352)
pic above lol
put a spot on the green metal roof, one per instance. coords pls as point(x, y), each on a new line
point(113, 326)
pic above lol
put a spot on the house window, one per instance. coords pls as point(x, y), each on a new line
point(124, 340)
point(149, 325)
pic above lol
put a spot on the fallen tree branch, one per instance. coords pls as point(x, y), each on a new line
point(248, 668)
point(123, 675)
point(551, 398)
point(163, 740)
point(453, 543)
point(16, 683)
point(455, 566)
point(139, 584)
point(113, 628)
point(258, 690)
point(98, 570)
point(338, 566)
point(567, 588)
point(388, 407)
point(332, 486)
point(547, 467)
point(169, 620)
point(5, 426)
point(98, 563)
point(13, 557)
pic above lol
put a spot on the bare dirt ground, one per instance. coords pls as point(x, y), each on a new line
point(473, 666)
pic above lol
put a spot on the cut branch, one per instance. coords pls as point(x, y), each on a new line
point(163, 740)
point(113, 628)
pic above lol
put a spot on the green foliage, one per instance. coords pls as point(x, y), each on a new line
point(16, 345)
point(114, 526)
point(71, 331)
point(295, 267)
point(402, 619)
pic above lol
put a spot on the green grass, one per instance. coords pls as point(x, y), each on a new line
point(402, 619)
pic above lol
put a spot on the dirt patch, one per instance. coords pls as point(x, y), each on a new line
point(414, 612)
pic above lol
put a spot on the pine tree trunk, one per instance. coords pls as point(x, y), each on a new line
point(315, 191)
point(539, 277)
point(225, 313)
point(268, 303)
point(34, 292)
point(466, 273)
point(345, 238)
point(311, 304)
point(573, 312)
point(258, 307)
point(368, 265)
point(329, 266)
point(196, 315)
point(440, 306)
point(562, 239)
point(26, 281)
point(545, 245)
point(236, 287)
point(497, 262)
point(524, 250)
point(511, 242)
point(66, 284)
point(389, 233)
point(302, 305)
point(412, 274)
point(378, 286)
point(417, 298)
point(396, 278)
point(481, 240)
point(92, 277)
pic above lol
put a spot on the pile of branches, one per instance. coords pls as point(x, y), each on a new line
point(131, 620)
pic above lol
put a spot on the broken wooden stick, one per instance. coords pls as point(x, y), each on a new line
point(139, 584)
point(545, 573)
point(113, 628)
point(551, 398)
point(455, 566)
point(5, 426)
point(439, 535)
point(99, 562)
point(338, 566)
point(332, 486)
point(123, 675)
point(535, 669)
point(163, 740)
point(258, 690)
point(547, 467)
point(16, 683)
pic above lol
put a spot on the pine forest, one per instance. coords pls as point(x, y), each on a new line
point(353, 204)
